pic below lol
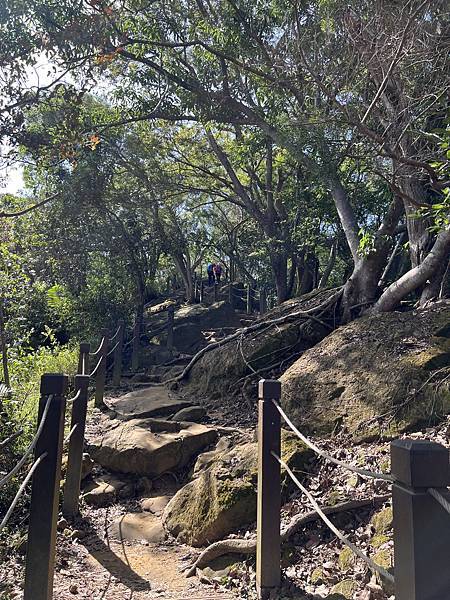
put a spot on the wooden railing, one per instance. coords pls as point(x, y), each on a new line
point(419, 475)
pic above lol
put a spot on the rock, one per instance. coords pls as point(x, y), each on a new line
point(144, 485)
point(219, 568)
point(206, 459)
point(132, 447)
point(345, 589)
point(257, 350)
point(138, 526)
point(350, 373)
point(105, 490)
point(155, 505)
point(188, 337)
point(148, 402)
point(191, 413)
point(223, 496)
point(382, 520)
point(87, 464)
point(346, 559)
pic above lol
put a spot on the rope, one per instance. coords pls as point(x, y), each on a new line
point(440, 498)
point(373, 565)
point(96, 367)
point(21, 489)
point(98, 349)
point(362, 472)
point(71, 432)
point(112, 349)
point(77, 395)
point(30, 448)
point(11, 438)
point(130, 341)
point(111, 339)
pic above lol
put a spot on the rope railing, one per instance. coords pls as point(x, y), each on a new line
point(70, 434)
point(11, 438)
point(111, 339)
point(323, 454)
point(30, 448)
point(113, 349)
point(92, 354)
point(372, 565)
point(21, 490)
point(77, 395)
point(439, 498)
point(97, 366)
point(420, 481)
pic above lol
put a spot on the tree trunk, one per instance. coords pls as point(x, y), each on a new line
point(330, 265)
point(346, 214)
point(417, 276)
point(278, 263)
point(4, 346)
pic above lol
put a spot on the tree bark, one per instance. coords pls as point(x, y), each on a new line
point(330, 265)
point(415, 277)
point(4, 346)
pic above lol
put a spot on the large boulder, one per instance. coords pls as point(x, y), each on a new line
point(146, 447)
point(220, 372)
point(148, 402)
point(222, 498)
point(378, 374)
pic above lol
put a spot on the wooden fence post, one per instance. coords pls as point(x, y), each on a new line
point(170, 321)
point(262, 300)
point(268, 572)
point(41, 542)
point(421, 525)
point(135, 356)
point(249, 299)
point(76, 444)
point(83, 359)
point(100, 377)
point(117, 368)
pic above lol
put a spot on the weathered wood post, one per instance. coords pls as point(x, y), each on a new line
point(76, 443)
point(249, 299)
point(421, 525)
point(100, 376)
point(136, 351)
point(170, 321)
point(83, 359)
point(268, 571)
point(117, 368)
point(41, 542)
point(216, 292)
point(262, 300)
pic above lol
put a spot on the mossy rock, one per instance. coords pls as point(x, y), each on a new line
point(350, 372)
point(222, 497)
point(379, 539)
point(382, 520)
point(345, 588)
point(346, 559)
point(317, 576)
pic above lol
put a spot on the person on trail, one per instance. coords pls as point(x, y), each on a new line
point(210, 271)
point(218, 271)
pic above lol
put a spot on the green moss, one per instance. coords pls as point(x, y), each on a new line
point(382, 520)
point(346, 559)
point(383, 558)
point(346, 588)
point(378, 540)
point(317, 576)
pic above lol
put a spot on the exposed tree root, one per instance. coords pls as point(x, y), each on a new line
point(308, 314)
point(238, 546)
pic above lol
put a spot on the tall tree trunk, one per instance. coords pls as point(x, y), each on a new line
point(4, 346)
point(330, 265)
point(278, 262)
point(416, 276)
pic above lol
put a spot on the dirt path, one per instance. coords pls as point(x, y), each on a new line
point(98, 569)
